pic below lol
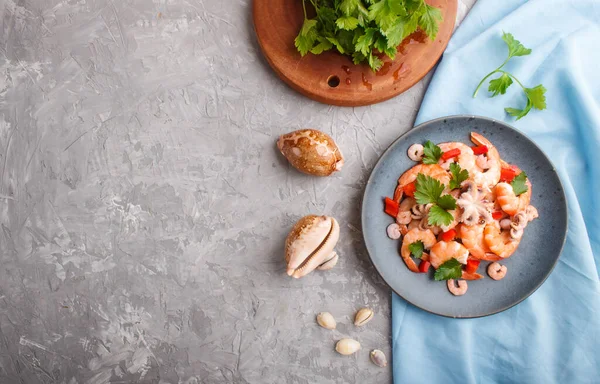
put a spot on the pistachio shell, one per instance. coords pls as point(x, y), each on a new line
point(311, 151)
point(378, 358)
point(310, 245)
point(326, 320)
point(363, 316)
point(347, 346)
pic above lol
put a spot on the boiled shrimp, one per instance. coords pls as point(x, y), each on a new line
point(497, 271)
point(508, 201)
point(500, 242)
point(466, 159)
point(404, 216)
point(432, 170)
point(412, 236)
point(457, 288)
point(415, 152)
point(486, 178)
point(446, 250)
point(472, 239)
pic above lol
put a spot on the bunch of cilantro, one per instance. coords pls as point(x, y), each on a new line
point(364, 29)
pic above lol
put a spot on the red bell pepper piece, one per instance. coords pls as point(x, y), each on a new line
point(497, 215)
point(507, 174)
point(471, 276)
point(409, 189)
point(424, 266)
point(448, 235)
point(450, 154)
point(480, 149)
point(472, 265)
point(391, 207)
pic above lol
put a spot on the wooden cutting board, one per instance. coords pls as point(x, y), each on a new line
point(332, 78)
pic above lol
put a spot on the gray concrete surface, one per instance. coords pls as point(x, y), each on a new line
point(143, 204)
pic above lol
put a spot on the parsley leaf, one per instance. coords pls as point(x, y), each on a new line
point(377, 26)
point(375, 62)
point(416, 249)
point(364, 42)
point(438, 216)
point(447, 202)
point(536, 96)
point(499, 85)
point(431, 153)
point(307, 37)
point(515, 48)
point(519, 183)
point(395, 33)
point(458, 176)
point(428, 189)
point(324, 45)
point(429, 20)
point(348, 23)
point(451, 269)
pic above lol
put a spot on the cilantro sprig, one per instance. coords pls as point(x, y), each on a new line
point(451, 269)
point(416, 249)
point(519, 184)
point(536, 96)
point(458, 176)
point(429, 191)
point(364, 29)
point(431, 153)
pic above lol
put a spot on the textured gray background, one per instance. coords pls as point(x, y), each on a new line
point(143, 204)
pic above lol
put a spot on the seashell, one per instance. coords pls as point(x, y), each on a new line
point(347, 346)
point(310, 245)
point(378, 358)
point(326, 320)
point(311, 151)
point(363, 316)
point(327, 265)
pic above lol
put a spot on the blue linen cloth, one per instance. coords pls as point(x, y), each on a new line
point(554, 335)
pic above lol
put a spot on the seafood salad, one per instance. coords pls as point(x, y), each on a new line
point(460, 205)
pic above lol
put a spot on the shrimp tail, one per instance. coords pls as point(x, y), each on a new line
point(398, 193)
point(410, 263)
point(488, 256)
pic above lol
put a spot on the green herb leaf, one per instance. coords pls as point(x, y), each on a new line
point(537, 95)
point(348, 23)
point(458, 176)
point(375, 62)
point(431, 153)
point(428, 189)
point(429, 20)
point(337, 44)
point(438, 216)
point(349, 7)
point(364, 42)
point(519, 184)
point(395, 33)
point(447, 202)
point(499, 85)
point(416, 249)
point(324, 45)
point(451, 269)
point(307, 36)
point(382, 14)
point(515, 48)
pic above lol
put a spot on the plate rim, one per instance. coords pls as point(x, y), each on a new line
point(422, 126)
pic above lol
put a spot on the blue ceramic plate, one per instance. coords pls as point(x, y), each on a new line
point(528, 267)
